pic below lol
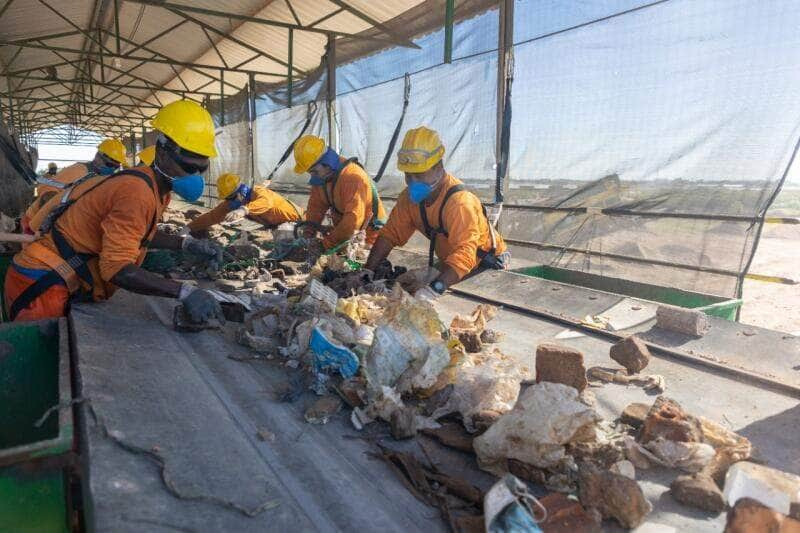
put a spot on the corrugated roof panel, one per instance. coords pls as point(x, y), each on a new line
point(31, 19)
point(345, 22)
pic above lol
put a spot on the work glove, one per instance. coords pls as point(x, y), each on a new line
point(204, 247)
point(236, 214)
point(315, 250)
point(426, 294)
point(200, 305)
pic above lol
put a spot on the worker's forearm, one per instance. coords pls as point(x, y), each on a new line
point(138, 280)
point(166, 241)
point(448, 276)
point(380, 251)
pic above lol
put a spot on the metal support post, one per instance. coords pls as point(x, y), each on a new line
point(330, 54)
point(251, 129)
point(505, 76)
point(449, 14)
point(222, 97)
point(289, 71)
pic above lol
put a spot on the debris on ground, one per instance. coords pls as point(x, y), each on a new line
point(632, 353)
point(509, 507)
point(567, 514)
point(322, 409)
point(775, 489)
point(634, 414)
point(668, 420)
point(750, 516)
point(546, 418)
point(469, 329)
point(560, 364)
point(613, 495)
point(698, 490)
point(264, 435)
point(477, 392)
point(650, 383)
point(681, 320)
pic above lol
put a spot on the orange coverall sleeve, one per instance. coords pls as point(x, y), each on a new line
point(132, 211)
point(317, 206)
point(209, 218)
point(400, 226)
point(462, 217)
point(351, 192)
point(260, 203)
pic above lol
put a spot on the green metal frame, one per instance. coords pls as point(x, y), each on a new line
point(35, 376)
point(709, 304)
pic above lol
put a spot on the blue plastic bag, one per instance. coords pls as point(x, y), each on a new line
point(330, 356)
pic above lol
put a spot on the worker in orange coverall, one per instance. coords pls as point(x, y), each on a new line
point(110, 156)
point(239, 201)
point(339, 186)
point(92, 238)
point(437, 205)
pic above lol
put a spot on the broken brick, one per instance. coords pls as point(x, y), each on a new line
point(632, 353)
point(560, 364)
point(565, 514)
point(698, 490)
point(614, 496)
point(667, 419)
point(749, 516)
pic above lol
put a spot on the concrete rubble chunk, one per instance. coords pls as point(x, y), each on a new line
point(471, 341)
point(614, 496)
point(698, 490)
point(560, 364)
point(749, 516)
point(635, 414)
point(773, 488)
point(681, 320)
point(244, 251)
point(632, 353)
point(668, 420)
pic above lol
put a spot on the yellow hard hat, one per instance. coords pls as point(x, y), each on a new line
point(189, 125)
point(421, 149)
point(114, 149)
point(227, 184)
point(307, 151)
point(147, 155)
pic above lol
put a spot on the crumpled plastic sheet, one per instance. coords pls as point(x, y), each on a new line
point(478, 389)
point(408, 351)
point(546, 417)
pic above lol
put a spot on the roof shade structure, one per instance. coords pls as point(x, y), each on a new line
point(109, 65)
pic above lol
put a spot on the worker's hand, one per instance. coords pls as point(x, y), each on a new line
point(426, 294)
point(236, 214)
point(315, 250)
point(186, 230)
point(203, 247)
point(200, 305)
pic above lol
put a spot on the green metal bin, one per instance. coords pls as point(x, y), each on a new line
point(718, 306)
point(34, 377)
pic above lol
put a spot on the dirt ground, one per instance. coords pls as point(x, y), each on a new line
point(772, 305)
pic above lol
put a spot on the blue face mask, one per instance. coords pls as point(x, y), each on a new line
point(418, 191)
point(106, 170)
point(190, 187)
point(242, 196)
point(316, 180)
